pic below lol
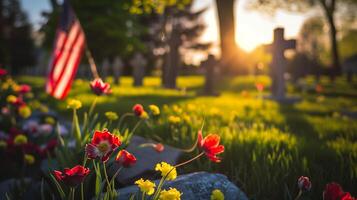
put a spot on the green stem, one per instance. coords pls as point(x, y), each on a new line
point(298, 196)
point(123, 117)
point(143, 196)
point(156, 195)
point(136, 126)
point(71, 193)
point(82, 191)
point(186, 162)
point(106, 177)
point(91, 109)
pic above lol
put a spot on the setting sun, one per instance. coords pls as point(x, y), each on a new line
point(252, 28)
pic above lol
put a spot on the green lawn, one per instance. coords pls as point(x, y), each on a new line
point(268, 146)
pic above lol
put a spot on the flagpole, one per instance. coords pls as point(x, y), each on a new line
point(92, 64)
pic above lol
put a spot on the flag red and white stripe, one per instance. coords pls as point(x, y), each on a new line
point(67, 53)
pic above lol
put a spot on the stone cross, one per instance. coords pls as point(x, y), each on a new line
point(105, 68)
point(278, 63)
point(138, 62)
point(117, 69)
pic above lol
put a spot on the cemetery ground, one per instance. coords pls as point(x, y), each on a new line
point(268, 145)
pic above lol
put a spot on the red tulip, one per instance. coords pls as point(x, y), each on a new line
point(319, 88)
point(99, 87)
point(210, 145)
point(138, 109)
point(259, 86)
point(102, 145)
point(304, 183)
point(72, 177)
point(159, 147)
point(125, 158)
point(333, 191)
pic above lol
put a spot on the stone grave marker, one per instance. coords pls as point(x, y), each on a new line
point(117, 69)
point(138, 62)
point(278, 64)
point(105, 68)
point(210, 79)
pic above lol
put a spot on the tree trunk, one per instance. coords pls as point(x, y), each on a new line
point(225, 9)
point(334, 48)
point(329, 9)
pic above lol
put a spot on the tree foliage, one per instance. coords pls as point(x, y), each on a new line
point(109, 27)
point(17, 47)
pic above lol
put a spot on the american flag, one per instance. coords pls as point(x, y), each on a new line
point(68, 48)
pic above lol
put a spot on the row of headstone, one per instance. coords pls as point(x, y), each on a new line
point(138, 64)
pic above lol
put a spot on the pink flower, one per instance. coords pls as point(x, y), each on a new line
point(102, 145)
point(99, 87)
point(304, 183)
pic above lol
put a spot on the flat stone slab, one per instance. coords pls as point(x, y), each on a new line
point(194, 186)
point(147, 158)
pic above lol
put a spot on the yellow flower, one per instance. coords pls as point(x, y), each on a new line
point(186, 118)
point(29, 159)
point(165, 107)
point(217, 195)
point(3, 144)
point(166, 170)
point(11, 98)
point(171, 194)
point(25, 111)
point(154, 110)
point(146, 186)
point(50, 120)
point(74, 104)
point(144, 115)
point(174, 119)
point(191, 107)
point(177, 109)
point(214, 111)
point(20, 139)
point(111, 115)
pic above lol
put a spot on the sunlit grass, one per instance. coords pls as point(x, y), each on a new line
point(268, 145)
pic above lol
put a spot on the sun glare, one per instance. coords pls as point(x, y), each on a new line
point(252, 28)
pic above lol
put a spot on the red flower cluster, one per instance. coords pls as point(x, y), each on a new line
point(102, 145)
point(304, 183)
point(333, 191)
point(99, 87)
point(138, 109)
point(210, 145)
point(72, 177)
point(125, 158)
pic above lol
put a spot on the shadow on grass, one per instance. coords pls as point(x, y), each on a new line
point(324, 164)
